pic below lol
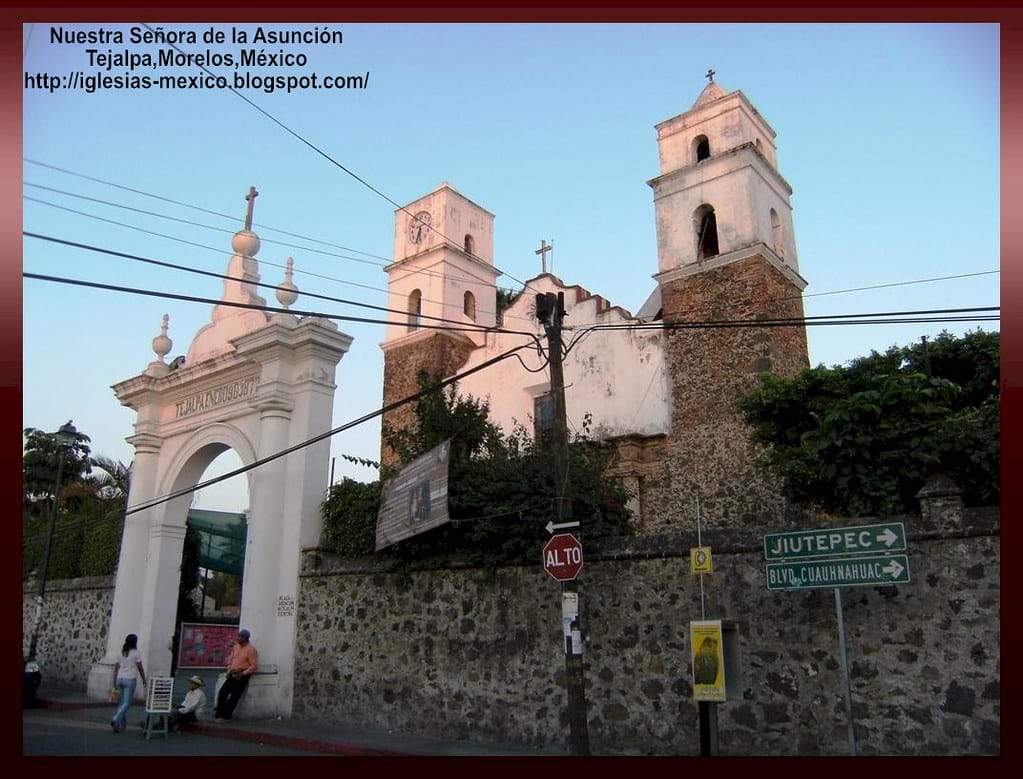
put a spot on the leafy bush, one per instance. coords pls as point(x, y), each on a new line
point(863, 439)
point(500, 488)
point(349, 518)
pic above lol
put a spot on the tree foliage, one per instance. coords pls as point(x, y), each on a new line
point(862, 439)
point(40, 459)
point(500, 487)
point(88, 526)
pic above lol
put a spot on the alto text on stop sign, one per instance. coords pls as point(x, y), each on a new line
point(563, 557)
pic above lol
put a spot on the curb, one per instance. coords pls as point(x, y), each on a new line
point(43, 703)
point(295, 742)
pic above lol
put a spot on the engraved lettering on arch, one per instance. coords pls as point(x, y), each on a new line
point(205, 400)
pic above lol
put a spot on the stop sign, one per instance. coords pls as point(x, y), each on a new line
point(563, 557)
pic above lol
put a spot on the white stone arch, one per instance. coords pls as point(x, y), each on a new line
point(220, 436)
point(271, 388)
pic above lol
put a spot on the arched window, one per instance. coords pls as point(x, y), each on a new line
point(706, 232)
point(701, 147)
point(415, 308)
point(777, 235)
point(469, 247)
point(469, 305)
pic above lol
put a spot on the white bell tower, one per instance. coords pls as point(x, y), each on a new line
point(719, 193)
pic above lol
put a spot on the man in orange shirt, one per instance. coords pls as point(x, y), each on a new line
point(240, 667)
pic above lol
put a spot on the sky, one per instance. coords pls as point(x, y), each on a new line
point(888, 135)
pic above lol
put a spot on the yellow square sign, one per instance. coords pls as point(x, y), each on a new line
point(700, 560)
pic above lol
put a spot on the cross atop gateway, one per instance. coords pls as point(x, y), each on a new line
point(710, 74)
point(251, 199)
point(542, 251)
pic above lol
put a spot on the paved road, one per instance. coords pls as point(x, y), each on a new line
point(87, 732)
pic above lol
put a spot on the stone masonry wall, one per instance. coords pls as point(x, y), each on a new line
point(709, 451)
point(438, 353)
point(475, 654)
point(76, 615)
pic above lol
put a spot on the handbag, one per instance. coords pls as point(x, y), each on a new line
point(115, 695)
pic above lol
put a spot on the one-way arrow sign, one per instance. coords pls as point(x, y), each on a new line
point(551, 527)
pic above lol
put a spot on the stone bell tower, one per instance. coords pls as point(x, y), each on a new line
point(443, 269)
point(726, 251)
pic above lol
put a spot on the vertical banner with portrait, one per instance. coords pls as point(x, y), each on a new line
point(707, 648)
point(416, 499)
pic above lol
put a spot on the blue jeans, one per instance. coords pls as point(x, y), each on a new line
point(126, 687)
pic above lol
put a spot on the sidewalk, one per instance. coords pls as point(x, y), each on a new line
point(321, 737)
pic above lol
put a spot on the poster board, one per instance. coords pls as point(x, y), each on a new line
point(708, 660)
point(205, 646)
point(416, 499)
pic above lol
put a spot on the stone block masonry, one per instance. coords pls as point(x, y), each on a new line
point(76, 616)
point(710, 452)
point(475, 653)
point(438, 353)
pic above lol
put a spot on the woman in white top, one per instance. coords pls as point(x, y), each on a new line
point(127, 671)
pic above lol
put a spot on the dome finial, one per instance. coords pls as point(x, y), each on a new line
point(162, 344)
point(287, 292)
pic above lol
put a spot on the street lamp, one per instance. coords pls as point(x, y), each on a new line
point(66, 436)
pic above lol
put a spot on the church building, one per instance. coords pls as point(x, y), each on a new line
point(667, 396)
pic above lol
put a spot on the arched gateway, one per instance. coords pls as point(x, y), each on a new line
point(256, 383)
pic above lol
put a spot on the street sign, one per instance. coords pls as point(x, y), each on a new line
point(826, 542)
point(551, 527)
point(875, 570)
point(700, 560)
point(563, 557)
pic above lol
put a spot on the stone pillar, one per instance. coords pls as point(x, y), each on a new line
point(160, 601)
point(126, 612)
point(941, 505)
point(263, 554)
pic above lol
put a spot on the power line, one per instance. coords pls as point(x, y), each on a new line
point(224, 251)
point(252, 306)
point(340, 429)
point(193, 223)
point(194, 207)
point(186, 268)
point(786, 321)
point(350, 172)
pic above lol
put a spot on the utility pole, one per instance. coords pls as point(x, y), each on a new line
point(65, 437)
point(551, 313)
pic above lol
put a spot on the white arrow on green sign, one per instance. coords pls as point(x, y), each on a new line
point(874, 570)
point(825, 542)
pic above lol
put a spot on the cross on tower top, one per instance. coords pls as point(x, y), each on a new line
point(710, 74)
point(251, 198)
point(542, 251)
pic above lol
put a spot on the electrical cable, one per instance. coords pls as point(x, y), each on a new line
point(321, 436)
point(260, 260)
point(252, 306)
point(194, 207)
point(310, 249)
point(187, 269)
point(337, 164)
